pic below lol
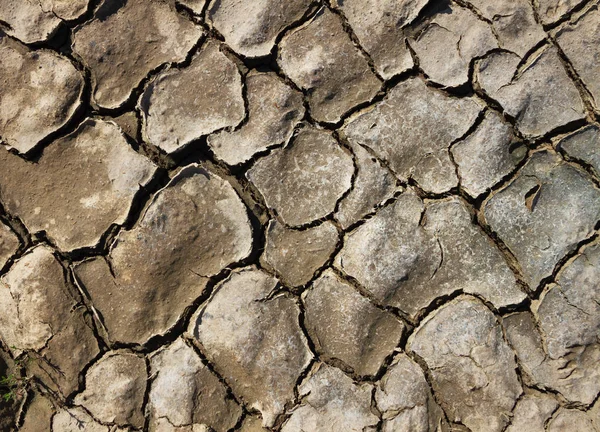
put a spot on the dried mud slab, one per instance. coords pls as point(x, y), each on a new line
point(182, 105)
point(330, 399)
point(373, 185)
point(400, 131)
point(345, 326)
point(251, 28)
point(295, 255)
point(67, 10)
point(114, 389)
point(38, 415)
point(513, 22)
point(40, 93)
point(532, 413)
point(487, 155)
point(185, 395)
point(122, 44)
point(544, 213)
point(193, 228)
point(304, 180)
point(539, 95)
point(45, 319)
point(558, 347)
point(473, 369)
point(9, 243)
point(98, 168)
point(410, 253)
point(551, 11)
point(77, 420)
point(574, 420)
point(274, 109)
point(321, 59)
point(254, 341)
point(584, 145)
point(580, 41)
point(447, 44)
point(405, 400)
point(380, 29)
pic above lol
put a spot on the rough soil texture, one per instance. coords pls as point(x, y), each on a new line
point(300, 216)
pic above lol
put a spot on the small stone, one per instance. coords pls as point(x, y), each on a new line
point(76, 420)
point(540, 95)
point(400, 130)
point(193, 228)
point(544, 213)
point(379, 26)
point(38, 416)
point(274, 109)
point(584, 145)
point(27, 21)
point(580, 41)
point(531, 413)
point(295, 255)
point(551, 11)
point(43, 314)
point(251, 28)
point(572, 420)
point(472, 367)
point(373, 185)
point(120, 46)
point(322, 60)
point(254, 340)
point(346, 326)
point(115, 388)
point(404, 398)
point(409, 254)
point(513, 22)
point(182, 105)
point(185, 393)
point(304, 180)
point(448, 43)
point(9, 243)
point(80, 186)
point(330, 400)
point(40, 93)
point(487, 155)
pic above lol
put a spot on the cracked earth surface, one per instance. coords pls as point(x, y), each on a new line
point(300, 215)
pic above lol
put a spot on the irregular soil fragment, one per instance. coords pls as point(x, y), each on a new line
point(80, 186)
point(184, 392)
point(346, 326)
point(181, 105)
point(409, 254)
point(322, 60)
point(379, 26)
point(251, 28)
point(487, 155)
point(472, 366)
point(114, 389)
point(40, 93)
point(544, 213)
point(122, 44)
point(532, 413)
point(296, 255)
point(401, 131)
point(47, 321)
point(540, 96)
point(193, 228)
point(304, 180)
point(329, 399)
point(254, 341)
point(405, 399)
point(274, 109)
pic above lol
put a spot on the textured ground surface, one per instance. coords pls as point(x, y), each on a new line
point(300, 215)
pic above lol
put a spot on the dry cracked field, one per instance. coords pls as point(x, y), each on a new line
point(300, 215)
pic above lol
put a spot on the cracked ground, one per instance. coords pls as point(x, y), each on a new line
point(300, 215)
